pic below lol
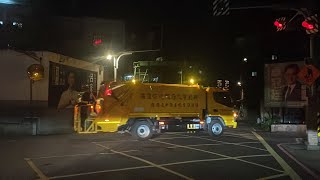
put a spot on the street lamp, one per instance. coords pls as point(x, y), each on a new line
point(117, 57)
point(191, 81)
point(239, 83)
point(245, 59)
point(109, 56)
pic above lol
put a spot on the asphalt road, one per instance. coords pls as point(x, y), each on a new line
point(238, 154)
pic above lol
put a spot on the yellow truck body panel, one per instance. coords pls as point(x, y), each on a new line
point(153, 100)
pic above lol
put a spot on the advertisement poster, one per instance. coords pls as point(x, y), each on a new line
point(67, 82)
point(284, 92)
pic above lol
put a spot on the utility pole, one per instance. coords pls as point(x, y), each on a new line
point(116, 59)
point(161, 41)
point(181, 79)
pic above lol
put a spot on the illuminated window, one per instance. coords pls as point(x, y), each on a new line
point(17, 24)
point(254, 74)
point(8, 2)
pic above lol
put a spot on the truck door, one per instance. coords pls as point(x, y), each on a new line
point(220, 104)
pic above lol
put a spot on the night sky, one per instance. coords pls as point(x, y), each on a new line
point(191, 33)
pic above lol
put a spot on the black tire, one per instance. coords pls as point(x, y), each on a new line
point(215, 128)
point(142, 130)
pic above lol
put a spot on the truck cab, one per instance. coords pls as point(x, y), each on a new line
point(220, 111)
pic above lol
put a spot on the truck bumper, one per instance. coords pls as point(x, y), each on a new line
point(235, 125)
point(180, 126)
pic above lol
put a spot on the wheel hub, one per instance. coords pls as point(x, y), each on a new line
point(143, 131)
point(216, 128)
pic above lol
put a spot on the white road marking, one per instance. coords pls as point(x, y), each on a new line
point(199, 137)
point(118, 141)
point(241, 136)
point(173, 138)
point(273, 177)
point(217, 159)
point(195, 145)
point(225, 156)
point(75, 155)
point(147, 162)
point(98, 172)
point(150, 166)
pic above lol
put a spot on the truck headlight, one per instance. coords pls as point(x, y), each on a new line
point(98, 108)
point(235, 114)
point(98, 105)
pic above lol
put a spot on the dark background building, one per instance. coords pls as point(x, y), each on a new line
point(185, 31)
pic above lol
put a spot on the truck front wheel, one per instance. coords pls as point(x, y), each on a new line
point(142, 130)
point(215, 128)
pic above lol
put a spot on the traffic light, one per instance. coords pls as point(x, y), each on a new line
point(310, 24)
point(280, 23)
point(98, 40)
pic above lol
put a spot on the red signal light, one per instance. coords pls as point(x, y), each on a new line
point(97, 42)
point(278, 24)
point(108, 92)
point(307, 25)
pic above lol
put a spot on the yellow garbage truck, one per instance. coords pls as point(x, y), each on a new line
point(146, 109)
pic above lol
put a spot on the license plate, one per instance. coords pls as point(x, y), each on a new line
point(193, 126)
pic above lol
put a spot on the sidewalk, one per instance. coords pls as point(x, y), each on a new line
point(309, 159)
point(291, 147)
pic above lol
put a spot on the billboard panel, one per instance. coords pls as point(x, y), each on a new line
point(66, 82)
point(282, 86)
point(284, 93)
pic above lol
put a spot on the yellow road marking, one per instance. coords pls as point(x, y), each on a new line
point(147, 162)
point(75, 155)
point(288, 170)
point(272, 177)
point(209, 152)
point(36, 169)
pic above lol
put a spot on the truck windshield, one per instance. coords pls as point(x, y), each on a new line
point(223, 98)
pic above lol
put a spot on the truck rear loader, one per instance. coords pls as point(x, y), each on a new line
point(146, 109)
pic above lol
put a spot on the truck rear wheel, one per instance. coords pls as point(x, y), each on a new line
point(215, 128)
point(142, 130)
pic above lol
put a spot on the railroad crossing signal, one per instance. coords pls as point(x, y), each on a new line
point(280, 23)
point(221, 7)
point(311, 24)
